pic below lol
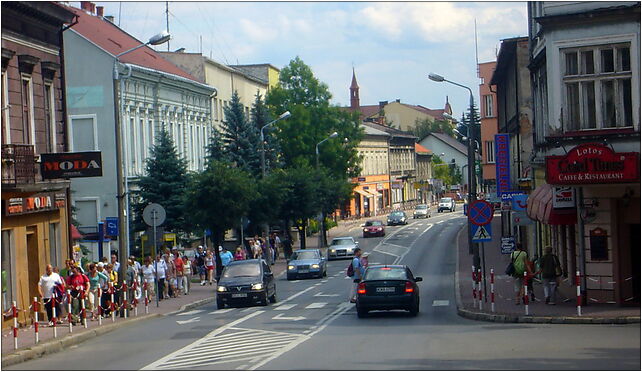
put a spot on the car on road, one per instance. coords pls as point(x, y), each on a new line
point(421, 211)
point(246, 282)
point(397, 218)
point(342, 247)
point(446, 203)
point(374, 228)
point(306, 263)
point(388, 287)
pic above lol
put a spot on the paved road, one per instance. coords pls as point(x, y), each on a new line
point(313, 327)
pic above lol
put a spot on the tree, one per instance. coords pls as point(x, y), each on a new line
point(259, 117)
point(302, 194)
point(164, 182)
point(240, 138)
point(272, 193)
point(426, 126)
point(216, 148)
point(217, 198)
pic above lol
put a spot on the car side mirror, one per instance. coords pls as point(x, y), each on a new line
point(418, 279)
point(356, 243)
point(363, 225)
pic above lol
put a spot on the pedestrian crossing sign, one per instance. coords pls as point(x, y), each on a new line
point(481, 233)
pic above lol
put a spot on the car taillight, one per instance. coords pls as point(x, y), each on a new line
point(361, 289)
point(409, 288)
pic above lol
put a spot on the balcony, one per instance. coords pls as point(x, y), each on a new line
point(18, 165)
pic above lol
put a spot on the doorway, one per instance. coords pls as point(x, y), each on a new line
point(33, 262)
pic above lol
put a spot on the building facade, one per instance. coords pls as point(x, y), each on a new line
point(423, 183)
point(35, 211)
point(488, 99)
point(585, 69)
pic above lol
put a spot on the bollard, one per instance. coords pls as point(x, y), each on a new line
point(35, 315)
point(14, 313)
point(525, 298)
point(146, 299)
point(100, 308)
point(69, 316)
point(479, 289)
point(53, 313)
point(135, 300)
point(111, 305)
point(579, 294)
point(492, 290)
point(124, 289)
point(474, 288)
point(83, 311)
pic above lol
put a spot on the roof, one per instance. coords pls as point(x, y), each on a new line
point(419, 149)
point(373, 131)
point(392, 131)
point(506, 54)
point(354, 84)
point(451, 142)
point(114, 40)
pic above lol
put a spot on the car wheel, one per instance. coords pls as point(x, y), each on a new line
point(273, 298)
point(414, 309)
point(264, 300)
point(361, 312)
point(325, 273)
point(289, 277)
point(220, 304)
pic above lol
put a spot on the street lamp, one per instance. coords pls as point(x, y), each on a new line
point(322, 221)
point(284, 115)
point(123, 214)
point(333, 135)
point(472, 184)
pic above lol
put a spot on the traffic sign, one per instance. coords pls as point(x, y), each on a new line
point(480, 212)
point(519, 202)
point(482, 233)
point(154, 214)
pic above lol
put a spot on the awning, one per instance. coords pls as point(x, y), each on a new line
point(540, 208)
point(75, 234)
point(374, 193)
point(363, 193)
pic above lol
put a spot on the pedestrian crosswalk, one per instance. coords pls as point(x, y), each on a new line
point(275, 307)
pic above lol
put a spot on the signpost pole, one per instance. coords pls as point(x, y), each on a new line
point(483, 252)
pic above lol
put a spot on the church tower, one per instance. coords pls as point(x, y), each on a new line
point(354, 93)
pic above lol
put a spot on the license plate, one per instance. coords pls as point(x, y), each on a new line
point(239, 295)
point(385, 289)
point(304, 271)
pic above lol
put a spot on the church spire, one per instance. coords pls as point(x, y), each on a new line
point(354, 92)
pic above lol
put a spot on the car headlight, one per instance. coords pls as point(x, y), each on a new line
point(291, 267)
point(257, 286)
point(332, 250)
point(365, 230)
point(221, 289)
point(315, 266)
point(379, 228)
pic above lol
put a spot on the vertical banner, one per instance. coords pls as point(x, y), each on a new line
point(502, 162)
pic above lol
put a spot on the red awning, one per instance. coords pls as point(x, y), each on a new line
point(540, 208)
point(75, 234)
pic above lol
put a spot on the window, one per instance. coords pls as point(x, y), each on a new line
point(55, 245)
point(597, 87)
point(132, 146)
point(83, 135)
point(7, 272)
point(490, 151)
point(28, 130)
point(6, 132)
point(50, 118)
point(488, 106)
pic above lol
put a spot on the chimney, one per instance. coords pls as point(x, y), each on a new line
point(382, 104)
point(93, 8)
point(110, 18)
point(398, 100)
point(99, 11)
point(86, 6)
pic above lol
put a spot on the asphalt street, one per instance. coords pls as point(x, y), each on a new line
point(313, 327)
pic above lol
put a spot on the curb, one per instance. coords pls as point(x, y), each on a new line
point(55, 345)
point(511, 318)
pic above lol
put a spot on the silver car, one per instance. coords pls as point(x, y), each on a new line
point(306, 263)
point(421, 211)
point(342, 247)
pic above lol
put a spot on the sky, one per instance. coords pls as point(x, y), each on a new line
point(392, 46)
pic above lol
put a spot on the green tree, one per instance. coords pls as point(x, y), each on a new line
point(424, 127)
point(216, 148)
point(217, 198)
point(301, 202)
point(272, 192)
point(165, 182)
point(240, 138)
point(259, 117)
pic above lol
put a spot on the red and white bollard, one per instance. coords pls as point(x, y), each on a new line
point(69, 316)
point(35, 317)
point(479, 289)
point(525, 298)
point(146, 298)
point(125, 299)
point(53, 312)
point(579, 293)
point(99, 308)
point(474, 287)
point(492, 290)
point(112, 307)
point(83, 310)
point(135, 300)
point(14, 313)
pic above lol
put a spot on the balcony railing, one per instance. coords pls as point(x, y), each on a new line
point(18, 165)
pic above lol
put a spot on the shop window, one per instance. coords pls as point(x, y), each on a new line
point(598, 240)
point(7, 272)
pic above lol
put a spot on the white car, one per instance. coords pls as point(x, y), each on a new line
point(421, 210)
point(342, 247)
point(446, 203)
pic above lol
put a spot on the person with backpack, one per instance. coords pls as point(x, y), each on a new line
point(355, 271)
point(519, 258)
point(551, 270)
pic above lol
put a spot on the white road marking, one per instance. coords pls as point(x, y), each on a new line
point(316, 305)
point(295, 318)
point(220, 311)
point(440, 303)
point(285, 307)
point(297, 294)
point(191, 312)
point(247, 310)
point(192, 320)
point(320, 294)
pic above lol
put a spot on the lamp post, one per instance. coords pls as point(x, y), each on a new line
point(322, 222)
point(472, 184)
point(284, 115)
point(123, 215)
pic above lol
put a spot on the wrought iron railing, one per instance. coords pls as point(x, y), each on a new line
point(18, 165)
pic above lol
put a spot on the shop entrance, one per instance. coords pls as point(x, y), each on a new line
point(33, 260)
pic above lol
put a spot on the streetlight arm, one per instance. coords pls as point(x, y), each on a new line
point(131, 50)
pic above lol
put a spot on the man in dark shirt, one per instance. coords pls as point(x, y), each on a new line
point(200, 263)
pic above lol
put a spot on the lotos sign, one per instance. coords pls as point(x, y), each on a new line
point(593, 163)
point(71, 164)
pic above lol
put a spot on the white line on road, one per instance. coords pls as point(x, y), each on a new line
point(316, 305)
point(440, 303)
point(191, 312)
point(220, 311)
point(297, 294)
point(320, 294)
point(285, 307)
point(192, 320)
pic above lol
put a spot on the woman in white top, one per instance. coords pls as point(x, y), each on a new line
point(187, 274)
point(209, 265)
point(149, 275)
point(161, 272)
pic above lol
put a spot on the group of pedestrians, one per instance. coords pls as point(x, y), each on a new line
point(548, 266)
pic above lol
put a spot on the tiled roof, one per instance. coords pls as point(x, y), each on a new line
point(392, 131)
point(451, 142)
point(114, 40)
point(419, 149)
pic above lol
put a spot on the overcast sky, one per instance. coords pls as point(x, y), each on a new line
point(392, 45)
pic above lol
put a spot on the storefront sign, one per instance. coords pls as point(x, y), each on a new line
point(71, 164)
point(593, 163)
point(563, 197)
point(37, 203)
point(502, 162)
point(397, 185)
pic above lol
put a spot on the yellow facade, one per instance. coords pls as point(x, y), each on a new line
point(403, 116)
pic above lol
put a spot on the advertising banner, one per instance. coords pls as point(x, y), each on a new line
point(71, 165)
point(502, 163)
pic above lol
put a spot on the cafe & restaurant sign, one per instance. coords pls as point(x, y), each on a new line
point(593, 163)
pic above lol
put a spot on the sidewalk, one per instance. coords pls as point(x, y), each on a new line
point(565, 310)
point(28, 349)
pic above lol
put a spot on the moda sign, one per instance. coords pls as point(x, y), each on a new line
point(593, 163)
point(71, 165)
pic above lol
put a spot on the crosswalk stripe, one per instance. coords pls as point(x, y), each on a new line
point(221, 311)
point(191, 312)
point(440, 303)
point(285, 307)
point(316, 305)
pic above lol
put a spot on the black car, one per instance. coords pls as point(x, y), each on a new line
point(397, 218)
point(246, 282)
point(388, 287)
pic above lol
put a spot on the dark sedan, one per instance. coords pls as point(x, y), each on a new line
point(388, 287)
point(246, 282)
point(374, 228)
point(397, 218)
point(306, 263)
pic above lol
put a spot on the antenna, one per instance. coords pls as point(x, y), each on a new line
point(167, 20)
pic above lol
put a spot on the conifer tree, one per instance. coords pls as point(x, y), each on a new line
point(260, 116)
point(240, 138)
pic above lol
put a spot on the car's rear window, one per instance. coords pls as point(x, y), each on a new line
point(385, 273)
point(233, 271)
point(445, 200)
point(342, 242)
point(305, 255)
point(374, 223)
point(396, 214)
point(421, 207)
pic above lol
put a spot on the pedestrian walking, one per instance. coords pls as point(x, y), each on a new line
point(78, 283)
point(226, 256)
point(187, 274)
point(149, 277)
point(180, 271)
point(114, 262)
point(209, 264)
point(551, 271)
point(355, 272)
point(239, 254)
point(51, 287)
point(287, 246)
point(97, 280)
point(161, 273)
point(171, 276)
point(199, 260)
point(519, 258)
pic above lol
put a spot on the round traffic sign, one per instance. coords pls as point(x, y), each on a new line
point(154, 214)
point(480, 212)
